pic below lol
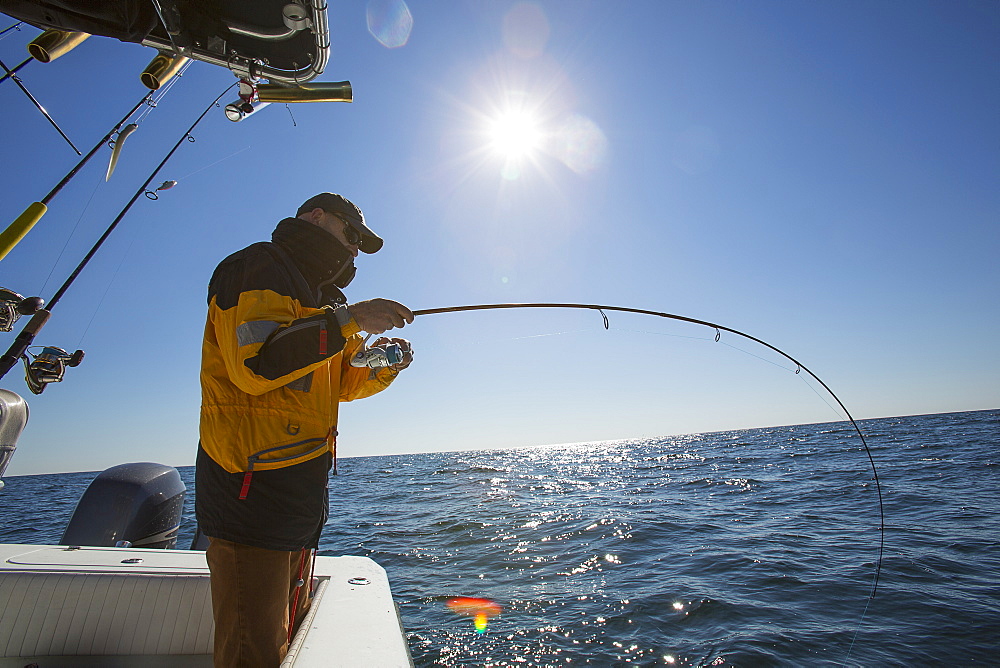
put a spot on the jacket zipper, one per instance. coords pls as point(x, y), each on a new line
point(255, 457)
point(304, 325)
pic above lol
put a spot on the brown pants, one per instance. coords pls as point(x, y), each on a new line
point(253, 591)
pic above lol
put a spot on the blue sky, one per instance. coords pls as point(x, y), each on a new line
point(823, 176)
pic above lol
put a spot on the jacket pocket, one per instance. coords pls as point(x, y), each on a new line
point(257, 457)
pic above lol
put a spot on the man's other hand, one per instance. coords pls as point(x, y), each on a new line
point(379, 315)
point(405, 345)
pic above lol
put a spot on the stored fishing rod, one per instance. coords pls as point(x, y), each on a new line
point(38, 104)
point(9, 74)
point(16, 26)
point(142, 190)
point(718, 334)
point(23, 223)
point(24, 339)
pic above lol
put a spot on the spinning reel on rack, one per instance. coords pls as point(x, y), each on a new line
point(13, 306)
point(47, 366)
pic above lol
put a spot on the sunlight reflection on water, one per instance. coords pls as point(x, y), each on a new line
point(712, 549)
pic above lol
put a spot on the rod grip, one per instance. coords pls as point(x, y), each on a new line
point(20, 227)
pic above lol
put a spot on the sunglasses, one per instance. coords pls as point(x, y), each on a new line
point(351, 234)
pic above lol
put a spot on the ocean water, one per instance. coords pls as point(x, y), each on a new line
point(741, 548)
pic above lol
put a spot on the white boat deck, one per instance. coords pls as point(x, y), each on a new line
point(101, 606)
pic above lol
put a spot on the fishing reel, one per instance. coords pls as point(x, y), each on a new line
point(380, 356)
point(13, 306)
point(248, 102)
point(48, 366)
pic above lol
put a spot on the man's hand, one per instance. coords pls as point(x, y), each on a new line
point(404, 345)
point(379, 315)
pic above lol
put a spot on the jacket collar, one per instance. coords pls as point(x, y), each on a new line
point(319, 256)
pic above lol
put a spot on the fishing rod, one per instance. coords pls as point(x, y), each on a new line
point(26, 337)
point(31, 215)
point(718, 335)
point(16, 26)
point(9, 74)
point(37, 104)
point(142, 190)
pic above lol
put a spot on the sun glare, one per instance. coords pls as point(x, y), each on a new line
point(515, 134)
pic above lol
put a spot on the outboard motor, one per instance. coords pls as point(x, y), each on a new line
point(13, 417)
point(130, 505)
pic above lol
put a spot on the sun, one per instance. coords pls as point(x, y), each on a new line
point(515, 134)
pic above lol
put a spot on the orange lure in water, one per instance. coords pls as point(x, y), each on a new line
point(480, 609)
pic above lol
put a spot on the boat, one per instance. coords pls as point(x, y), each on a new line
point(116, 591)
point(109, 607)
point(287, 43)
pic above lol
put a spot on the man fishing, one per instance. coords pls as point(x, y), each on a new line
point(276, 362)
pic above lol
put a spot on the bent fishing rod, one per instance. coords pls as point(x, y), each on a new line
point(39, 315)
point(718, 335)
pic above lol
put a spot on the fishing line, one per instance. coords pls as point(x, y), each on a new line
point(234, 154)
point(542, 336)
point(27, 334)
point(160, 94)
point(17, 68)
point(201, 169)
point(9, 74)
point(822, 398)
point(69, 237)
point(16, 26)
point(481, 341)
point(718, 335)
point(762, 359)
point(38, 105)
point(702, 338)
point(4, 35)
point(150, 103)
point(107, 289)
point(717, 340)
point(150, 100)
point(672, 336)
point(142, 189)
point(83, 161)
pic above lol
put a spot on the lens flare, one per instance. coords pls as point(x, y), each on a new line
point(526, 30)
point(480, 609)
point(580, 144)
point(390, 22)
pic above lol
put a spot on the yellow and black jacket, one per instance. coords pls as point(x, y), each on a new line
point(274, 370)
